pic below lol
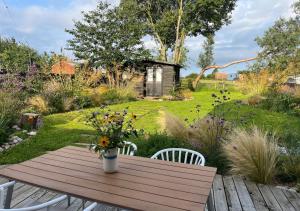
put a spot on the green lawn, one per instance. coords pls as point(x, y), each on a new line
point(67, 128)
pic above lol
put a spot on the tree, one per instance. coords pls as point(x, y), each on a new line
point(171, 22)
point(16, 57)
point(280, 44)
point(206, 58)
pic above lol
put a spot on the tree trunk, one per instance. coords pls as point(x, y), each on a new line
point(178, 42)
point(196, 81)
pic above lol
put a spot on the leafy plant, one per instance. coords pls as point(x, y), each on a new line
point(253, 154)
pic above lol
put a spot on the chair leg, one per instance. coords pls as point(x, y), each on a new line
point(8, 198)
point(69, 201)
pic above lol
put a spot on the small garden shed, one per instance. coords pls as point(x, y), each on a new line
point(156, 78)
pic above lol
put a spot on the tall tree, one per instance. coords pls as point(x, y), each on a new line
point(206, 57)
point(171, 22)
point(106, 36)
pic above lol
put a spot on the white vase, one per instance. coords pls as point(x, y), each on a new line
point(110, 160)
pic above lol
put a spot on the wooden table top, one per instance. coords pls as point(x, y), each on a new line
point(140, 183)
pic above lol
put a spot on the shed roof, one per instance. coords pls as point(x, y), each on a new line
point(162, 62)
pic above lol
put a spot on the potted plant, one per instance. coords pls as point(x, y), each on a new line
point(113, 128)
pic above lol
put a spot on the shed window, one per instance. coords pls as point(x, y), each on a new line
point(158, 74)
point(150, 74)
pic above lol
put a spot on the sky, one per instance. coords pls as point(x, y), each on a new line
point(42, 23)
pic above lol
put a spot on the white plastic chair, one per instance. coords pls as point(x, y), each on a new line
point(44, 206)
point(180, 155)
point(128, 149)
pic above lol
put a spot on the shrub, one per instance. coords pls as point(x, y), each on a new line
point(280, 102)
point(204, 135)
point(255, 83)
point(39, 104)
point(252, 154)
point(104, 95)
point(148, 146)
point(289, 162)
point(255, 100)
point(10, 107)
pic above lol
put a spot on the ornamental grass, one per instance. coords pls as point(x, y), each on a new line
point(253, 154)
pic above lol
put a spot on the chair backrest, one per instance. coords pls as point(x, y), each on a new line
point(4, 186)
point(180, 155)
point(128, 149)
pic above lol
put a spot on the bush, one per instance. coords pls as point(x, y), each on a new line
point(148, 146)
point(252, 154)
point(280, 102)
point(104, 95)
point(10, 107)
point(289, 162)
point(38, 104)
point(204, 135)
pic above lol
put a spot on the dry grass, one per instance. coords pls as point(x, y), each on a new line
point(39, 104)
point(252, 154)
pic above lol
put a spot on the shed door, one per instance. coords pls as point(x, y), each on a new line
point(154, 81)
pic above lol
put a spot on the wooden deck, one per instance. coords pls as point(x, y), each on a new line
point(228, 194)
point(234, 193)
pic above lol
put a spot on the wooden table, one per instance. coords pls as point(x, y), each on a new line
point(140, 184)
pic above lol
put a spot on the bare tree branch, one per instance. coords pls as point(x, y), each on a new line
point(196, 81)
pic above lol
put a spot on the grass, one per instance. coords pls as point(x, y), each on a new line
point(64, 129)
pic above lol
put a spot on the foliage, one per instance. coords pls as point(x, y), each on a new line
point(255, 83)
point(113, 128)
point(206, 58)
point(280, 102)
point(253, 154)
point(107, 37)
point(104, 95)
point(170, 22)
point(204, 134)
point(280, 44)
point(38, 104)
point(149, 145)
point(10, 107)
point(16, 57)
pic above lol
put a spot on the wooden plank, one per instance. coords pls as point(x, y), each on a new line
point(269, 198)
point(243, 194)
point(256, 196)
point(284, 203)
point(139, 195)
point(90, 194)
point(131, 185)
point(142, 174)
point(231, 194)
point(28, 191)
point(94, 161)
point(219, 194)
point(88, 156)
point(126, 177)
point(293, 198)
point(31, 199)
point(142, 159)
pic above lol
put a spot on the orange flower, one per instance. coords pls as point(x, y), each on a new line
point(103, 141)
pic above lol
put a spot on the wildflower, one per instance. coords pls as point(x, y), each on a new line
point(104, 141)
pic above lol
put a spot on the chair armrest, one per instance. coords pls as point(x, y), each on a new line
point(91, 207)
point(40, 206)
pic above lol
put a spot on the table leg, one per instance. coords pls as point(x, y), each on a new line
point(8, 198)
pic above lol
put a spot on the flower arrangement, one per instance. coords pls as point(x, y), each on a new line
point(113, 128)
